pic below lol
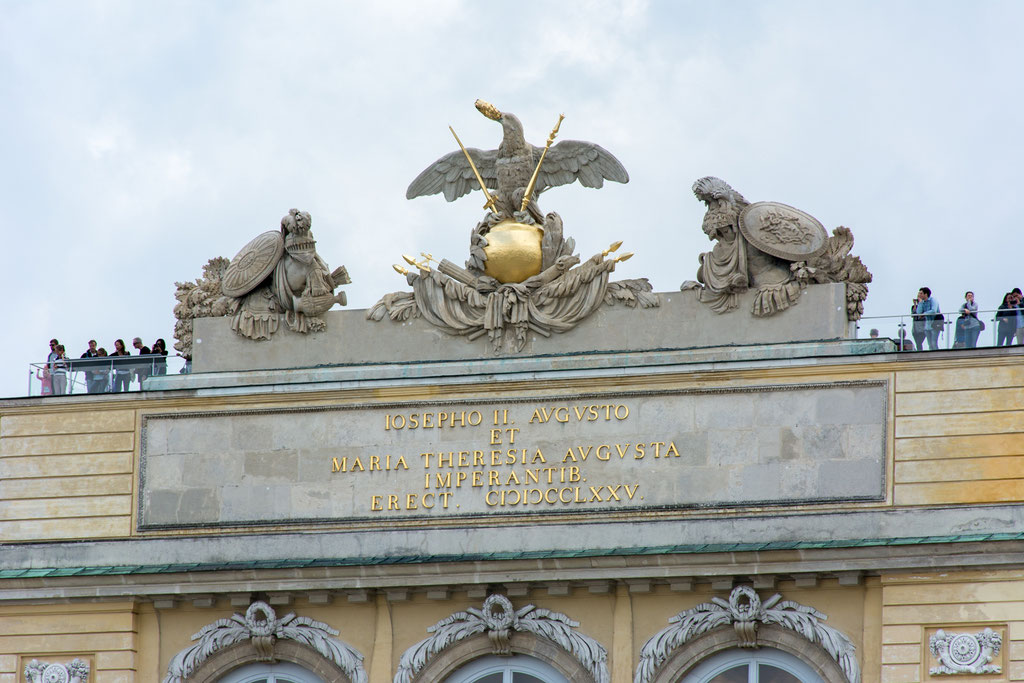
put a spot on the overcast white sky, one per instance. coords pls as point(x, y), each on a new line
point(140, 139)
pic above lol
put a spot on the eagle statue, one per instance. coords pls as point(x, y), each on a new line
point(508, 168)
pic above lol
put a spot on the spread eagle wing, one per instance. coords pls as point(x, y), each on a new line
point(452, 175)
point(570, 160)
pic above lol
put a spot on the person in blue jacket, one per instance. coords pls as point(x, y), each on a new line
point(926, 313)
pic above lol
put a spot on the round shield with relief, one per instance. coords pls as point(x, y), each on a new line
point(783, 231)
point(252, 264)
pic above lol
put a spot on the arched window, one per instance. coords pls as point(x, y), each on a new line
point(765, 665)
point(282, 672)
point(516, 669)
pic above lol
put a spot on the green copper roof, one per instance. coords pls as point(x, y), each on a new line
point(48, 572)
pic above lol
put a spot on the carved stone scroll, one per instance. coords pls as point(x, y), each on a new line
point(498, 619)
point(965, 653)
point(744, 611)
point(261, 626)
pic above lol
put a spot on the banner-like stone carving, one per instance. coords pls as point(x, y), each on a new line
point(588, 453)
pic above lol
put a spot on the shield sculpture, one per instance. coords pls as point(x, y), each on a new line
point(253, 263)
point(782, 231)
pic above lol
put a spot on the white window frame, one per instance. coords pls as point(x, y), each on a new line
point(732, 658)
point(258, 671)
point(507, 665)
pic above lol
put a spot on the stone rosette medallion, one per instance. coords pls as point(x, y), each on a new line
point(965, 653)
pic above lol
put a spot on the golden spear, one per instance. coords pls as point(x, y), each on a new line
point(490, 200)
point(536, 171)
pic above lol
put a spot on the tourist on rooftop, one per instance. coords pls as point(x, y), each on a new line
point(927, 319)
point(1006, 320)
point(59, 372)
point(105, 387)
point(122, 375)
point(902, 343)
point(95, 377)
point(1019, 332)
point(141, 373)
point(160, 364)
point(968, 326)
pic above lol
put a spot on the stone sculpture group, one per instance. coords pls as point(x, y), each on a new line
point(522, 275)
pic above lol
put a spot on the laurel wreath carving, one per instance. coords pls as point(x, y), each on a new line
point(261, 625)
point(744, 611)
point(498, 618)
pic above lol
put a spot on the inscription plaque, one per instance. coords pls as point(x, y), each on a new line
point(587, 453)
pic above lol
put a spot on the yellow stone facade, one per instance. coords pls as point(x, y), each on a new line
point(69, 472)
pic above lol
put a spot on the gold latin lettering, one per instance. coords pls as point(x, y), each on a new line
point(375, 503)
point(336, 466)
point(392, 502)
point(424, 501)
point(478, 478)
point(410, 501)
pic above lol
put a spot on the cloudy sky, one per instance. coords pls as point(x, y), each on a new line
point(140, 139)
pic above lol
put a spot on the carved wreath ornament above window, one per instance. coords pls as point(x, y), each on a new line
point(744, 610)
point(498, 619)
point(261, 626)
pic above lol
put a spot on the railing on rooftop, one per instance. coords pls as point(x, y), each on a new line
point(101, 374)
point(954, 332)
point(112, 374)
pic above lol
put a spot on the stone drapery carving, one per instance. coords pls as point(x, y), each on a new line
point(497, 620)
point(554, 301)
point(278, 275)
point(261, 626)
point(965, 653)
point(773, 249)
point(744, 611)
point(75, 671)
point(521, 274)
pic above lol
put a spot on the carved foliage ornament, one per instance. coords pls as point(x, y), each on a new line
point(261, 626)
point(498, 619)
point(744, 611)
point(75, 671)
point(965, 653)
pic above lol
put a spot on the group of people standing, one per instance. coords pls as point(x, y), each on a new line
point(112, 374)
point(929, 322)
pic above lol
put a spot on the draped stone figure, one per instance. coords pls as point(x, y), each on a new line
point(276, 275)
point(772, 248)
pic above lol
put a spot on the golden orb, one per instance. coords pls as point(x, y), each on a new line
point(513, 251)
